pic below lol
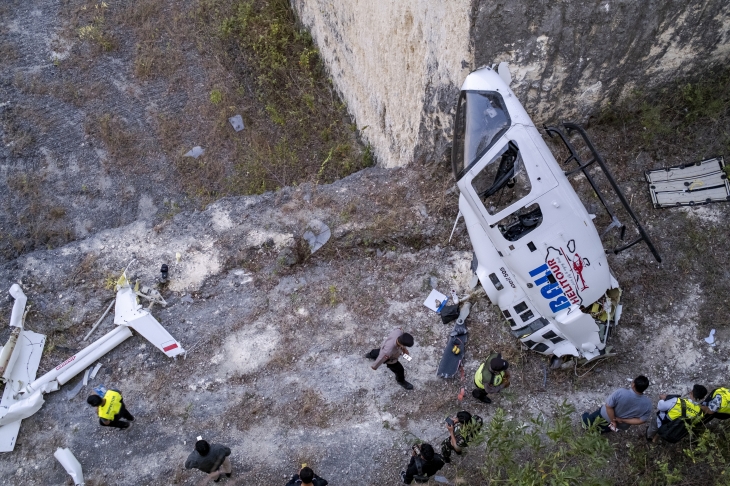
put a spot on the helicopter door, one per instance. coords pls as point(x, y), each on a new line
point(509, 177)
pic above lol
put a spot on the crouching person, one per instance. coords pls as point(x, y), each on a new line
point(717, 404)
point(675, 415)
point(110, 408)
point(463, 430)
point(306, 477)
point(424, 464)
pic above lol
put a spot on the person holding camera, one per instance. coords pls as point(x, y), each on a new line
point(463, 429)
point(424, 464)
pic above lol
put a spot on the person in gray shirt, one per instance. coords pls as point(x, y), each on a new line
point(211, 459)
point(623, 408)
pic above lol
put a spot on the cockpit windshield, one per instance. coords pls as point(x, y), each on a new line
point(481, 118)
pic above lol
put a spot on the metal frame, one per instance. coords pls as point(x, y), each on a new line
point(583, 166)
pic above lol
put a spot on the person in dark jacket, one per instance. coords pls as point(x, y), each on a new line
point(423, 465)
point(211, 459)
point(306, 477)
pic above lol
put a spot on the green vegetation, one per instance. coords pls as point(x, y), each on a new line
point(694, 111)
point(550, 451)
point(297, 129)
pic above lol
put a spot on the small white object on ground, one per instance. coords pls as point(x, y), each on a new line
point(195, 152)
point(317, 235)
point(454, 297)
point(70, 464)
point(237, 122)
point(711, 338)
point(95, 370)
point(434, 300)
point(86, 376)
point(441, 479)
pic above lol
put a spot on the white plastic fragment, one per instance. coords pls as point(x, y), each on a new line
point(195, 152)
point(711, 338)
point(23, 409)
point(86, 377)
point(236, 122)
point(70, 464)
point(317, 235)
point(441, 479)
point(95, 370)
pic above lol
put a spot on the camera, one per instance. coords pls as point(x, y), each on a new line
point(416, 450)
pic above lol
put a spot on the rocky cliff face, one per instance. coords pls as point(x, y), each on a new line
point(568, 58)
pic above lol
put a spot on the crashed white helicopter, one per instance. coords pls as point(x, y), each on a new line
point(537, 252)
point(19, 358)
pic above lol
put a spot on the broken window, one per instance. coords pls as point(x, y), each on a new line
point(521, 222)
point(503, 181)
point(481, 118)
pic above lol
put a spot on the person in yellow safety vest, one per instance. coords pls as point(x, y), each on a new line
point(111, 409)
point(669, 408)
point(717, 404)
point(491, 377)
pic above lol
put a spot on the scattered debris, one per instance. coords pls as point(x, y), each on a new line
point(178, 256)
point(86, 376)
point(186, 299)
point(441, 479)
point(93, 328)
point(195, 152)
point(711, 338)
point(75, 390)
point(435, 301)
point(237, 122)
point(317, 235)
point(70, 464)
point(688, 185)
point(163, 273)
point(95, 370)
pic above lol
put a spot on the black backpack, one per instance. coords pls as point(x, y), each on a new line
point(675, 430)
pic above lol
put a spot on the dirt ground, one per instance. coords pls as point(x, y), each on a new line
point(275, 339)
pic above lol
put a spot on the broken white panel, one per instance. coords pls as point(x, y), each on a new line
point(129, 313)
point(30, 348)
point(195, 152)
point(687, 185)
point(22, 409)
point(86, 377)
point(70, 464)
point(236, 122)
point(317, 235)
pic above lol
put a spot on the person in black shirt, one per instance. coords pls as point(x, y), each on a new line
point(306, 477)
point(423, 465)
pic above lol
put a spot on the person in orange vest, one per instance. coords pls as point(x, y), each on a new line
point(111, 409)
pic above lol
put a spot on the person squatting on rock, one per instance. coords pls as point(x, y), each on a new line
point(424, 464)
point(211, 459)
point(306, 477)
point(717, 404)
point(392, 348)
point(111, 409)
point(623, 408)
point(492, 376)
point(670, 408)
point(463, 429)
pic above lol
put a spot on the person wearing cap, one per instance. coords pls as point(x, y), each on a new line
point(674, 407)
point(211, 459)
point(396, 344)
point(306, 477)
point(623, 408)
point(492, 376)
point(111, 409)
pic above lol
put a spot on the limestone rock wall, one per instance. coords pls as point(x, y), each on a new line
point(399, 65)
point(392, 61)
